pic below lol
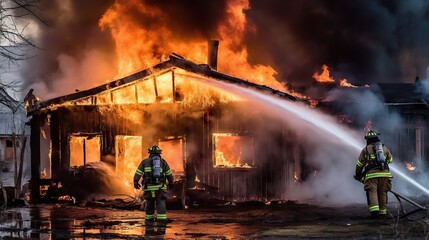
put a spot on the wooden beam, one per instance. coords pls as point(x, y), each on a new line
point(35, 159)
point(55, 146)
point(173, 80)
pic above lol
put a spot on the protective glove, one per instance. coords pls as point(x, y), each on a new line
point(357, 177)
point(137, 185)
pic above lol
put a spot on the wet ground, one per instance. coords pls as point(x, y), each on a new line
point(247, 221)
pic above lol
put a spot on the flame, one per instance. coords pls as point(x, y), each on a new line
point(324, 77)
point(230, 151)
point(410, 166)
point(172, 152)
point(128, 156)
point(345, 83)
point(296, 177)
point(42, 131)
point(139, 47)
point(43, 174)
point(92, 147)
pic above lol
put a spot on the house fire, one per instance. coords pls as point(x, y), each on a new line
point(211, 139)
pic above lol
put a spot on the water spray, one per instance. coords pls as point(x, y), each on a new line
point(302, 112)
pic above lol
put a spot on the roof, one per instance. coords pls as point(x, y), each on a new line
point(175, 61)
point(403, 93)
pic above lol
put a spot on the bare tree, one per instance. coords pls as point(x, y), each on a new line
point(14, 18)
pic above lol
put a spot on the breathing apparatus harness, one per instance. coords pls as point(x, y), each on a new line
point(156, 175)
point(378, 163)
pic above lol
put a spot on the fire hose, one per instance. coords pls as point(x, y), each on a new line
point(400, 197)
point(404, 214)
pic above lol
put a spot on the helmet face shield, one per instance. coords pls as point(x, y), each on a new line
point(155, 150)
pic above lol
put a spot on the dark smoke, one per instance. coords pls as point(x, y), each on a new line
point(191, 19)
point(364, 41)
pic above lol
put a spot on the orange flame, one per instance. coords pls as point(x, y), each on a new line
point(172, 151)
point(410, 166)
point(128, 156)
point(140, 47)
point(82, 147)
point(324, 77)
point(345, 83)
point(229, 150)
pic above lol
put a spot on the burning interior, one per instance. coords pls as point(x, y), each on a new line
point(231, 150)
point(211, 139)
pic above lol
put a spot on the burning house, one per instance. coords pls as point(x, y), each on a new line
point(212, 139)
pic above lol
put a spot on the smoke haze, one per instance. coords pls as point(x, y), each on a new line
point(363, 41)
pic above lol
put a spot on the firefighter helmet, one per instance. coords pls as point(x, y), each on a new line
point(371, 134)
point(155, 150)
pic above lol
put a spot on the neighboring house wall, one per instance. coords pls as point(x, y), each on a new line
point(12, 126)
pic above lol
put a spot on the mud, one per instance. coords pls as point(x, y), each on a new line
point(245, 221)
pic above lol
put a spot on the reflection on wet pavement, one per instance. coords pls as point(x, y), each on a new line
point(287, 220)
point(67, 222)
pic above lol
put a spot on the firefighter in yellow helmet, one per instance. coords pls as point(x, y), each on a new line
point(372, 168)
point(154, 172)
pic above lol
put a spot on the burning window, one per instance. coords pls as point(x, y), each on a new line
point(146, 91)
point(128, 155)
point(173, 152)
point(164, 87)
point(232, 151)
point(84, 149)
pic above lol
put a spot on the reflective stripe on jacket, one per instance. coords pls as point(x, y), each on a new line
point(368, 157)
point(144, 170)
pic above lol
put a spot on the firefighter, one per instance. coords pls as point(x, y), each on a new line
point(154, 172)
point(372, 169)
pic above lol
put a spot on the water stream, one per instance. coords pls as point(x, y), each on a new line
point(314, 119)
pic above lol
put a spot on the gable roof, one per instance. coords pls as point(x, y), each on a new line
point(403, 93)
point(175, 61)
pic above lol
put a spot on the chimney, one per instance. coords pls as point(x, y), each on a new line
point(212, 53)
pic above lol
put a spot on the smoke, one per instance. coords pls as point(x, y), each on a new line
point(363, 41)
point(366, 110)
point(74, 53)
point(425, 83)
point(332, 149)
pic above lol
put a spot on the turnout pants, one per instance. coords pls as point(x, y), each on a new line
point(376, 192)
point(155, 199)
